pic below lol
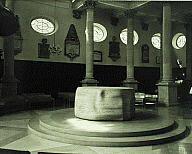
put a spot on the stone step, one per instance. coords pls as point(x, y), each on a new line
point(46, 122)
point(176, 134)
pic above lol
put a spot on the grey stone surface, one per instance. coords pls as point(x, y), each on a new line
point(167, 93)
point(36, 144)
point(9, 82)
point(104, 103)
point(62, 126)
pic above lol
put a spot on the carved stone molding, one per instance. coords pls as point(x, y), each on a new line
point(89, 4)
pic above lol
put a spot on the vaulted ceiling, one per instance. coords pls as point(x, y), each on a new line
point(148, 10)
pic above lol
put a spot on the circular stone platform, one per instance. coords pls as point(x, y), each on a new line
point(145, 129)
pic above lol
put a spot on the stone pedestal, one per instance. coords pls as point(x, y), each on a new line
point(131, 83)
point(89, 82)
point(167, 93)
point(105, 103)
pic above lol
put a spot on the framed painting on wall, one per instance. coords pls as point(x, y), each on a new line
point(97, 56)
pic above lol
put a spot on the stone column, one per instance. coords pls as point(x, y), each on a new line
point(130, 81)
point(8, 81)
point(167, 90)
point(89, 78)
point(161, 52)
point(188, 51)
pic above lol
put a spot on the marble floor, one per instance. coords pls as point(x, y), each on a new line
point(14, 135)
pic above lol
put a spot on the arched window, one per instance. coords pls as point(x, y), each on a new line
point(43, 26)
point(100, 32)
point(156, 40)
point(179, 41)
point(123, 36)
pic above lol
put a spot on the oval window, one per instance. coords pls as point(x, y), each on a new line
point(43, 26)
point(179, 41)
point(123, 36)
point(156, 40)
point(100, 32)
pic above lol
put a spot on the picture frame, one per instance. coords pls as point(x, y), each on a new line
point(97, 56)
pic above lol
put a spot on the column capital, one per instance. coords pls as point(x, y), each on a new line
point(166, 3)
point(130, 13)
point(89, 4)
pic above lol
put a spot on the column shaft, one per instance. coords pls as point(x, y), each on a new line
point(9, 82)
point(130, 81)
point(167, 89)
point(130, 49)
point(89, 78)
point(89, 43)
point(166, 43)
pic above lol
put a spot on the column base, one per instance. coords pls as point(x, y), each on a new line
point(131, 83)
point(89, 82)
point(9, 87)
point(167, 93)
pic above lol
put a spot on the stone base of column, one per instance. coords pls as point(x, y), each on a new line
point(8, 87)
point(167, 93)
point(89, 82)
point(131, 83)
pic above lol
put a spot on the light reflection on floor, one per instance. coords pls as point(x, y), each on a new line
point(86, 125)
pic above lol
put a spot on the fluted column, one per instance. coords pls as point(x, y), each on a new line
point(167, 90)
point(130, 81)
point(89, 78)
point(9, 82)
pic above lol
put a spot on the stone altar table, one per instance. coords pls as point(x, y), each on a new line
point(105, 103)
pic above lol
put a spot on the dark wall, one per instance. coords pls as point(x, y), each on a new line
point(147, 77)
point(49, 77)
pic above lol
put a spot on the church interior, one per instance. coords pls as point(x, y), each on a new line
point(95, 77)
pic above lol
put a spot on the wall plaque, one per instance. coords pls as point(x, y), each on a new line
point(97, 56)
point(145, 53)
point(72, 43)
point(114, 49)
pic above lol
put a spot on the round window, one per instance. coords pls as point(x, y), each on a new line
point(43, 26)
point(123, 36)
point(100, 32)
point(179, 41)
point(156, 40)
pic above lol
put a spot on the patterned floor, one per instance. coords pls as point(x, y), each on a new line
point(13, 135)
